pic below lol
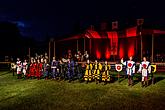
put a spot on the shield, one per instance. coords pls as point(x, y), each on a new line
point(118, 67)
point(153, 68)
point(129, 65)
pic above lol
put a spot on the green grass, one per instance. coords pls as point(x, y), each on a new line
point(60, 95)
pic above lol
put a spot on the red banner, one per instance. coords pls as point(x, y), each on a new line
point(113, 42)
point(131, 32)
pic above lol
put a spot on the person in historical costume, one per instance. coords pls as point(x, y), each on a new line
point(13, 68)
point(106, 73)
point(69, 70)
point(62, 69)
point(25, 67)
point(35, 67)
point(54, 65)
point(46, 69)
point(31, 69)
point(19, 68)
point(69, 54)
point(130, 69)
point(85, 56)
point(39, 69)
point(78, 71)
point(145, 69)
point(88, 72)
point(97, 67)
point(78, 56)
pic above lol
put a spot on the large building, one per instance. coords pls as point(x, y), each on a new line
point(113, 45)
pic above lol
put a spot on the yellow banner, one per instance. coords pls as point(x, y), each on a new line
point(153, 68)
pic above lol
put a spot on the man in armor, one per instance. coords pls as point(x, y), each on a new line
point(130, 69)
point(145, 69)
point(106, 73)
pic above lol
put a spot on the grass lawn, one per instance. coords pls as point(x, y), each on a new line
point(60, 95)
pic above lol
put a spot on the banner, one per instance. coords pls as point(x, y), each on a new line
point(153, 68)
point(114, 25)
point(113, 36)
point(131, 32)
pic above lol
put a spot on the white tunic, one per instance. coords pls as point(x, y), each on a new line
point(145, 68)
point(130, 67)
point(24, 67)
point(19, 67)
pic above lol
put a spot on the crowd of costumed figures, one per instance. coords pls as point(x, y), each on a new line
point(70, 69)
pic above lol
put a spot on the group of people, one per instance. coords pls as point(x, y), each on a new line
point(70, 69)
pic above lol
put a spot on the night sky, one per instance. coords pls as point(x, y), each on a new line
point(39, 18)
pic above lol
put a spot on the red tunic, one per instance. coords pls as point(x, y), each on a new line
point(39, 70)
point(35, 68)
point(31, 70)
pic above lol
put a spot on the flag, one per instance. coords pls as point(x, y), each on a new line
point(114, 25)
point(113, 36)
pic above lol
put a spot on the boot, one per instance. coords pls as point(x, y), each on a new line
point(86, 82)
point(131, 84)
point(142, 84)
point(105, 82)
point(128, 82)
point(96, 81)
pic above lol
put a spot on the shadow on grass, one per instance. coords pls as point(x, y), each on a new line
point(157, 79)
point(4, 73)
point(116, 79)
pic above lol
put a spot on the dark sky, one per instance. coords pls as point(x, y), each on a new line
point(41, 17)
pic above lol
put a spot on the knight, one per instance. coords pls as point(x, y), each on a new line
point(106, 72)
point(145, 70)
point(130, 69)
point(88, 72)
point(97, 67)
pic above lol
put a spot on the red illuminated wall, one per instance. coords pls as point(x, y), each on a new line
point(121, 49)
point(131, 32)
point(113, 36)
point(131, 47)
